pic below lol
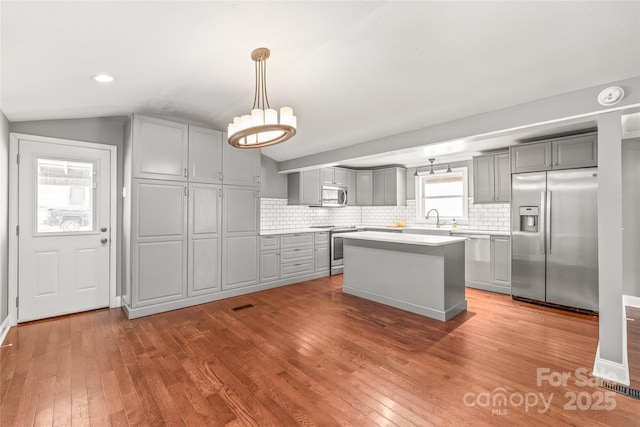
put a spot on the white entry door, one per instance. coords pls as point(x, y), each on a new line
point(64, 229)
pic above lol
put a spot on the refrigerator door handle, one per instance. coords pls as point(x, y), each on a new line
point(549, 222)
point(543, 223)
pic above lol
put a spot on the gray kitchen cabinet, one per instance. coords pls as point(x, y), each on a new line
point(304, 188)
point(379, 187)
point(501, 260)
point(334, 176)
point(327, 176)
point(241, 207)
point(531, 157)
point(241, 225)
point(159, 242)
point(321, 258)
point(269, 258)
point(321, 252)
point(390, 187)
point(188, 234)
point(340, 177)
point(270, 242)
point(364, 188)
point(160, 150)
point(296, 255)
point(502, 164)
point(351, 188)
point(269, 265)
point(205, 155)
point(241, 165)
point(483, 179)
point(491, 178)
point(240, 262)
point(577, 151)
point(205, 240)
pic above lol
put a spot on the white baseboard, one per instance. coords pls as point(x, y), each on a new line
point(4, 328)
point(117, 303)
point(612, 371)
point(631, 301)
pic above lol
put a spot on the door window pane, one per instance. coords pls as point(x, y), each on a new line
point(65, 195)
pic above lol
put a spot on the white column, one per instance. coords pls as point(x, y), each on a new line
point(611, 358)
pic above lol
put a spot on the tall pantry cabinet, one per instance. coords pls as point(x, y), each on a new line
point(174, 212)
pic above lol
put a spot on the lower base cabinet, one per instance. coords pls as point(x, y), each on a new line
point(269, 265)
point(501, 261)
point(240, 262)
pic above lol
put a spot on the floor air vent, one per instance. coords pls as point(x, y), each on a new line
point(619, 388)
point(242, 307)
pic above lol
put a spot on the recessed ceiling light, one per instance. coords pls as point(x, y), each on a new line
point(102, 78)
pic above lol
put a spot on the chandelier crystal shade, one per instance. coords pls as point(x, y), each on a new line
point(262, 126)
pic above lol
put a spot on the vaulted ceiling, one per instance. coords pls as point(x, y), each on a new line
point(352, 71)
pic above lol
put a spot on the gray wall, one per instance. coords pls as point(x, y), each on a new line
point(630, 217)
point(101, 130)
point(4, 215)
point(272, 183)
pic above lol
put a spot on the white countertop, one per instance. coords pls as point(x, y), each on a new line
point(293, 231)
point(382, 227)
point(488, 232)
point(410, 239)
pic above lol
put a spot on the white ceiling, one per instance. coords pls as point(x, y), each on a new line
point(352, 71)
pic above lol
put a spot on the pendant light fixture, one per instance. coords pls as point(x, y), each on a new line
point(262, 126)
point(431, 160)
point(449, 168)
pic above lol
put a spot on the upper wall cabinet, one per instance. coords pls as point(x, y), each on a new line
point(491, 179)
point(173, 151)
point(561, 153)
point(334, 176)
point(390, 187)
point(351, 188)
point(364, 188)
point(205, 155)
point(304, 188)
point(241, 165)
point(576, 152)
point(160, 149)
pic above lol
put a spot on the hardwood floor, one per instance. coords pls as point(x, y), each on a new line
point(307, 354)
point(633, 345)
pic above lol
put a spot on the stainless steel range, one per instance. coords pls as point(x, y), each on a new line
point(335, 252)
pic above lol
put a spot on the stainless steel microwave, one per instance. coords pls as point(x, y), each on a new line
point(334, 197)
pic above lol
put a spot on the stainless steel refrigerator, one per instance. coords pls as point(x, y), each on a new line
point(554, 233)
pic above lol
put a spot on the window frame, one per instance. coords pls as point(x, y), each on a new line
point(420, 213)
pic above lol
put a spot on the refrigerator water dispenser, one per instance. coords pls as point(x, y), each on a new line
point(529, 219)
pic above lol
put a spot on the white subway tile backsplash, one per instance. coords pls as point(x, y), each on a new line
point(275, 214)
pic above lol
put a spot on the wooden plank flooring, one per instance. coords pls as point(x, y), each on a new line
point(307, 354)
point(633, 345)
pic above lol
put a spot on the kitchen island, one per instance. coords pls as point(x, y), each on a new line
point(418, 273)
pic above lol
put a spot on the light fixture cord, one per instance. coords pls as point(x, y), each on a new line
point(264, 84)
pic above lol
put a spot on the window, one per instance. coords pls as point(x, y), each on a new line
point(65, 199)
point(444, 191)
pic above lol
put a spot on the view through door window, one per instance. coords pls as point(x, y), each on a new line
point(65, 195)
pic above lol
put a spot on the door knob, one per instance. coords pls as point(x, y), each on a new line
point(104, 241)
point(103, 229)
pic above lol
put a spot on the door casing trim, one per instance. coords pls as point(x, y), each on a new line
point(13, 214)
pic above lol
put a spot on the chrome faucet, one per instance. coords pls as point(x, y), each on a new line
point(437, 217)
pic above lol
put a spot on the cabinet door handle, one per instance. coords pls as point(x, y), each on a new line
point(220, 175)
point(186, 173)
point(186, 192)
